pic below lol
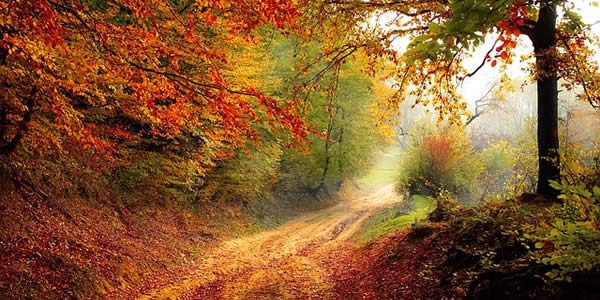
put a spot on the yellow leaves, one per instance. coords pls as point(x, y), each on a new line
point(251, 61)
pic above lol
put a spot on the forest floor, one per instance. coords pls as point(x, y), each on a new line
point(285, 262)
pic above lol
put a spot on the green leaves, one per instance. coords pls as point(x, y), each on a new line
point(555, 185)
point(470, 17)
point(435, 28)
point(574, 236)
point(596, 191)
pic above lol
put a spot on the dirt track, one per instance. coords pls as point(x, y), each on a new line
point(283, 263)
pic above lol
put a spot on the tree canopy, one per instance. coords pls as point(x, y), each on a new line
point(84, 74)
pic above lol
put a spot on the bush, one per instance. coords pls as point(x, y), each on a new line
point(446, 206)
point(580, 164)
point(572, 243)
point(499, 160)
point(157, 177)
point(439, 160)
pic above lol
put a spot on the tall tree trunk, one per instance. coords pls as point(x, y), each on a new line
point(328, 141)
point(547, 98)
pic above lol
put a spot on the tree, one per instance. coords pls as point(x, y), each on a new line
point(444, 33)
point(487, 102)
point(340, 107)
point(89, 75)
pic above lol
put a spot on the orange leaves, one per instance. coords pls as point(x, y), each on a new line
point(517, 17)
point(508, 42)
point(441, 151)
point(50, 30)
point(510, 30)
point(244, 16)
point(285, 115)
point(153, 63)
point(210, 18)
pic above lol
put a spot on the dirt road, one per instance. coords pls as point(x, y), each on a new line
point(282, 263)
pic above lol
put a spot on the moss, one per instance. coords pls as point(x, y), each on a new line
point(397, 217)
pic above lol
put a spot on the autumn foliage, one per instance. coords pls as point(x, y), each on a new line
point(439, 160)
point(136, 133)
point(98, 75)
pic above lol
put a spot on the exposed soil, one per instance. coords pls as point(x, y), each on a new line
point(289, 262)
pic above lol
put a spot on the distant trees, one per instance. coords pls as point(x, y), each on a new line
point(342, 108)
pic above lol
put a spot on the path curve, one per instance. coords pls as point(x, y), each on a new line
point(282, 263)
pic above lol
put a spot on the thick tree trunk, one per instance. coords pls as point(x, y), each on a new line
point(547, 98)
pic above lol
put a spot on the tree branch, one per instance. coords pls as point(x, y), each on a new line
point(486, 57)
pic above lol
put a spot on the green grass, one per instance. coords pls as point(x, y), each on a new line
point(385, 170)
point(396, 217)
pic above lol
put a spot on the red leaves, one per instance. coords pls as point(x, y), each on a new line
point(510, 31)
point(210, 18)
point(51, 31)
point(392, 267)
point(143, 61)
point(508, 39)
point(517, 17)
point(244, 16)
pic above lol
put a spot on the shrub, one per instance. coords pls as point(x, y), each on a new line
point(580, 164)
point(524, 178)
point(439, 160)
point(246, 178)
point(446, 206)
point(158, 177)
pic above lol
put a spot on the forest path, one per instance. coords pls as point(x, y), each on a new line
point(283, 263)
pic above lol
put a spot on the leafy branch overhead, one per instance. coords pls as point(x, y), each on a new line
point(450, 41)
point(160, 64)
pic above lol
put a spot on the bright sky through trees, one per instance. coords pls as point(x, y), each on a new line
point(472, 88)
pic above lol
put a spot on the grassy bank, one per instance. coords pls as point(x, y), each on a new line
point(396, 217)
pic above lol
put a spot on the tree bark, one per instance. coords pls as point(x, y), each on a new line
point(8, 146)
point(544, 42)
